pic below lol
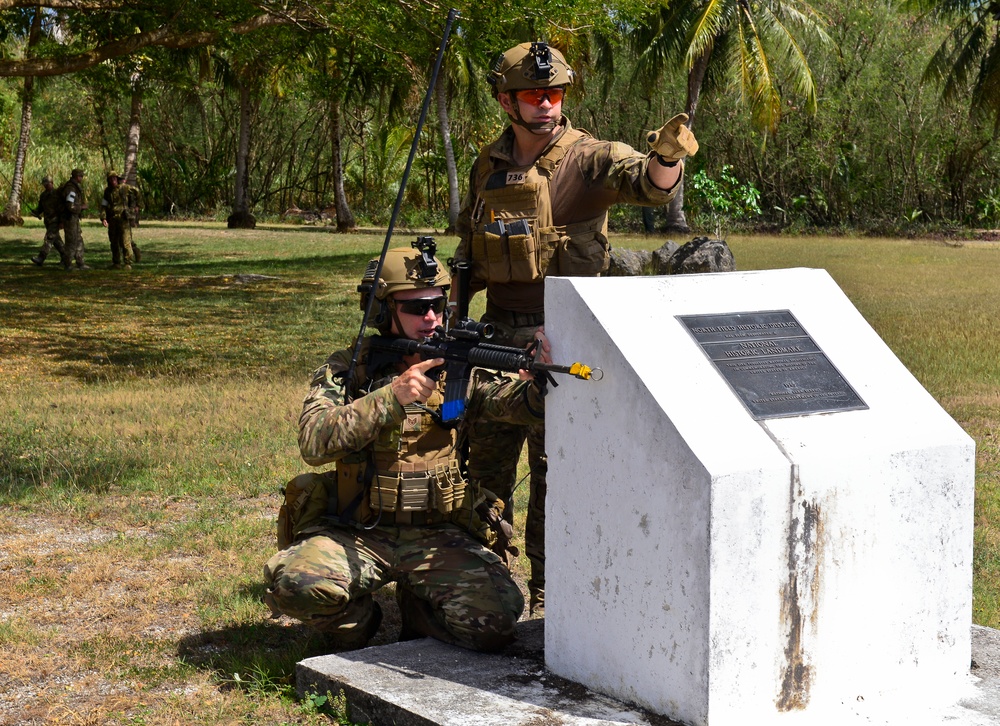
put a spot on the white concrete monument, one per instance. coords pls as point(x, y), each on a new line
point(758, 515)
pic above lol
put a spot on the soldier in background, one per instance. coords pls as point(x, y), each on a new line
point(73, 203)
point(48, 210)
point(115, 216)
point(538, 205)
point(397, 508)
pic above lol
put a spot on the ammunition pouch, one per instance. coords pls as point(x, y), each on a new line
point(439, 489)
point(306, 499)
point(507, 251)
point(581, 250)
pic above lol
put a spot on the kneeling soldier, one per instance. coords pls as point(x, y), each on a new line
point(398, 508)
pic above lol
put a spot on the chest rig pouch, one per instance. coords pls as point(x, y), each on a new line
point(515, 240)
point(410, 475)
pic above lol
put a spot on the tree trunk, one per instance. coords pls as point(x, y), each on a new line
point(11, 216)
point(345, 217)
point(241, 217)
point(449, 154)
point(676, 220)
point(132, 139)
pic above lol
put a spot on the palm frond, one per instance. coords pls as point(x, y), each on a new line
point(710, 23)
point(794, 61)
point(759, 84)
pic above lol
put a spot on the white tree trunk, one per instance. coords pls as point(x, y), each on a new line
point(345, 217)
point(11, 215)
point(132, 139)
point(449, 153)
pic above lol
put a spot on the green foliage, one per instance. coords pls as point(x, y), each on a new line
point(726, 197)
point(878, 153)
point(988, 208)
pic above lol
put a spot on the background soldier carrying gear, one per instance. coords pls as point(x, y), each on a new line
point(73, 203)
point(398, 507)
point(48, 210)
point(115, 214)
point(538, 205)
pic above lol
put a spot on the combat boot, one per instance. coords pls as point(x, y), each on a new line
point(83, 266)
point(536, 601)
point(417, 617)
point(38, 260)
point(353, 628)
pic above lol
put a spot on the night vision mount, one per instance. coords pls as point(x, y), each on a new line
point(543, 61)
point(427, 264)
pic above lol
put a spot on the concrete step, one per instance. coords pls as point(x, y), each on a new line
point(427, 683)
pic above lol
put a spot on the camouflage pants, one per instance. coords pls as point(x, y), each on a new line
point(451, 587)
point(74, 242)
point(495, 449)
point(120, 237)
point(52, 240)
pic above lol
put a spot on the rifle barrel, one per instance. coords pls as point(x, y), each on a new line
point(484, 355)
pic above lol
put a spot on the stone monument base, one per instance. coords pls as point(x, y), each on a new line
point(424, 682)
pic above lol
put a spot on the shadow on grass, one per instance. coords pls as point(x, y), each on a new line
point(176, 314)
point(263, 652)
point(266, 652)
point(177, 258)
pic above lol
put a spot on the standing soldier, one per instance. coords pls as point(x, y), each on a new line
point(538, 205)
point(48, 211)
point(73, 203)
point(115, 216)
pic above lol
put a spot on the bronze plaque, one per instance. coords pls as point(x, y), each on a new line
point(772, 364)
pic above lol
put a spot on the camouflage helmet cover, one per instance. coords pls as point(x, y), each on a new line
point(113, 175)
point(46, 180)
point(530, 65)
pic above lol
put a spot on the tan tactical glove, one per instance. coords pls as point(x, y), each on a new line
point(673, 141)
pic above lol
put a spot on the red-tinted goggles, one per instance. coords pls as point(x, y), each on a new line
point(420, 306)
point(534, 96)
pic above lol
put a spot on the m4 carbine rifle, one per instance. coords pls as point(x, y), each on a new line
point(465, 345)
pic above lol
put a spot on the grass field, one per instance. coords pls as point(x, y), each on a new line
point(148, 418)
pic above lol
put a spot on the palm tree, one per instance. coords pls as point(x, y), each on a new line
point(969, 57)
point(752, 46)
point(11, 215)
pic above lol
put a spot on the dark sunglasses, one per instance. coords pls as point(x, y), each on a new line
point(534, 96)
point(420, 306)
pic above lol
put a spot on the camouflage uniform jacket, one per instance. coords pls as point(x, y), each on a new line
point(49, 206)
point(72, 199)
point(117, 203)
point(568, 215)
point(375, 427)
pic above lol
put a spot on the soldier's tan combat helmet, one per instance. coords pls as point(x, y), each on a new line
point(403, 269)
point(529, 65)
